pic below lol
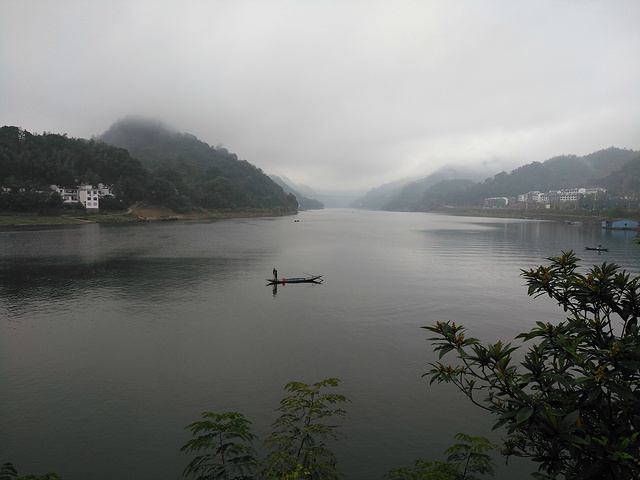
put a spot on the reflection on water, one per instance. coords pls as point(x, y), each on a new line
point(114, 337)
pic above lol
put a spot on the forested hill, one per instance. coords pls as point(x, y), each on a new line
point(179, 171)
point(155, 144)
point(212, 177)
point(31, 163)
point(304, 203)
point(408, 196)
point(567, 171)
point(626, 180)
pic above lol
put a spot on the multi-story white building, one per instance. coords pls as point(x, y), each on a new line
point(529, 196)
point(558, 196)
point(69, 195)
point(496, 202)
point(87, 195)
point(593, 191)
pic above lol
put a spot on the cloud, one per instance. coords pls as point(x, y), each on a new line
point(337, 95)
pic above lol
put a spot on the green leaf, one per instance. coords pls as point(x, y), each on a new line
point(573, 439)
point(569, 421)
point(523, 415)
point(445, 350)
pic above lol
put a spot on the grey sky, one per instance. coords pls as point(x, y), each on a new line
point(337, 95)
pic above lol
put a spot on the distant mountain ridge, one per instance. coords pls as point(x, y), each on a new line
point(406, 194)
point(155, 144)
point(377, 198)
point(626, 180)
point(567, 171)
point(142, 161)
point(304, 203)
point(211, 177)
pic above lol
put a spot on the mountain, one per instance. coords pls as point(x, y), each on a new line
point(143, 161)
point(155, 144)
point(305, 190)
point(31, 163)
point(626, 180)
point(437, 194)
point(304, 203)
point(376, 198)
point(407, 194)
point(209, 177)
point(566, 171)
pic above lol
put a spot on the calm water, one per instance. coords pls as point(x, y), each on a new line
point(114, 337)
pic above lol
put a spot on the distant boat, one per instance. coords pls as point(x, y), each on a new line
point(620, 224)
point(310, 279)
point(598, 248)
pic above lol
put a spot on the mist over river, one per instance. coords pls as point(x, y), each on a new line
point(113, 338)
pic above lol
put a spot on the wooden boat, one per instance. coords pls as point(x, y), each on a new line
point(310, 279)
point(599, 249)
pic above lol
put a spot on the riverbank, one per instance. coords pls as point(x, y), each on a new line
point(138, 213)
point(581, 216)
point(148, 213)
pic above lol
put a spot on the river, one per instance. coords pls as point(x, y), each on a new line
point(113, 338)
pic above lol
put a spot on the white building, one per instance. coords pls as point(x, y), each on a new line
point(555, 196)
point(594, 191)
point(496, 202)
point(69, 195)
point(542, 197)
point(104, 190)
point(87, 195)
point(571, 194)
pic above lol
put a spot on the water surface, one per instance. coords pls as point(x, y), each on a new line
point(114, 337)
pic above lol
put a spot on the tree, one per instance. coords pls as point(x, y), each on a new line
point(298, 448)
point(9, 472)
point(573, 403)
point(228, 436)
point(298, 439)
point(464, 460)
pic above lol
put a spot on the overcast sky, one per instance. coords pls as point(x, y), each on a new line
point(337, 95)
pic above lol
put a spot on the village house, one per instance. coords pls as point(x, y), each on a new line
point(87, 195)
point(558, 196)
point(494, 202)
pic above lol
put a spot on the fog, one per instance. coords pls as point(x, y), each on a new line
point(338, 95)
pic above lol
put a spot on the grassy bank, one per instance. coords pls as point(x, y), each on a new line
point(584, 216)
point(140, 213)
point(145, 213)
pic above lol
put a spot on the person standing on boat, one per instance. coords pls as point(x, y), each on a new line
point(275, 273)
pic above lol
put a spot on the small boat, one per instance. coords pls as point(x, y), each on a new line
point(310, 279)
point(598, 248)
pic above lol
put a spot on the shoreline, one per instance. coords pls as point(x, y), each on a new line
point(136, 214)
point(554, 215)
point(148, 213)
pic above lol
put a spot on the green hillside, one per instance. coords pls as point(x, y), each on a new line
point(210, 177)
point(304, 203)
point(626, 180)
point(568, 171)
point(31, 163)
point(162, 167)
